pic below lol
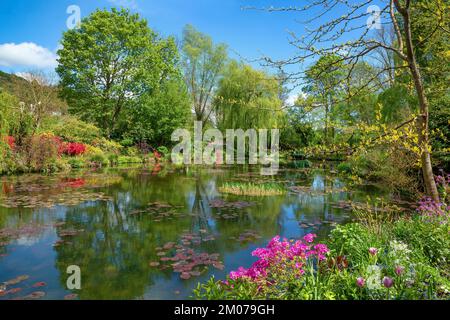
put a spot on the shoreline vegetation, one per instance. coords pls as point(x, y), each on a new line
point(405, 258)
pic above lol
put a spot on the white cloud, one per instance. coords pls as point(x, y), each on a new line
point(27, 54)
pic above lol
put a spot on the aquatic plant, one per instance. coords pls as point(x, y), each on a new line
point(251, 189)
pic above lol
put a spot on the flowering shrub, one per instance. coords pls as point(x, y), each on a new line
point(281, 254)
point(11, 141)
point(74, 149)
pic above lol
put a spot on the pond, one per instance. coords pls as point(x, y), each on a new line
point(138, 233)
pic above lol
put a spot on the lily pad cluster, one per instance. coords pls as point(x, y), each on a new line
point(33, 201)
point(247, 236)
point(29, 230)
point(229, 210)
point(10, 290)
point(160, 211)
point(183, 259)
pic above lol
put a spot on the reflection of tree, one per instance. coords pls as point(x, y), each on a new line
point(200, 208)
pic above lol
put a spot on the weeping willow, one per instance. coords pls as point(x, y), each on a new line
point(248, 99)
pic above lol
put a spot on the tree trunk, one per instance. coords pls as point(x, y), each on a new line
point(424, 143)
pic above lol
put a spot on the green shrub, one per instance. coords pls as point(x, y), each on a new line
point(98, 159)
point(77, 163)
point(107, 146)
point(129, 160)
point(164, 151)
point(430, 239)
point(127, 142)
point(132, 151)
point(344, 167)
point(70, 128)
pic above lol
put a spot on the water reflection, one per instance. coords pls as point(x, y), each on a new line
point(115, 248)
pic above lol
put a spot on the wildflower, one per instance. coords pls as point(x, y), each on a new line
point(310, 237)
point(361, 282)
point(399, 270)
point(373, 251)
point(388, 282)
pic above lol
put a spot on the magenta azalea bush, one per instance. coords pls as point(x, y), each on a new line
point(282, 254)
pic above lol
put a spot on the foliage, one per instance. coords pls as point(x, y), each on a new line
point(379, 165)
point(203, 63)
point(247, 99)
point(108, 63)
point(129, 159)
point(251, 189)
point(159, 114)
point(70, 128)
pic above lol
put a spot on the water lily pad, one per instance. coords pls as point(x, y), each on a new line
point(219, 266)
point(35, 295)
point(39, 284)
point(17, 280)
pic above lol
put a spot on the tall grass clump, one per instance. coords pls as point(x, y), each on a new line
point(251, 189)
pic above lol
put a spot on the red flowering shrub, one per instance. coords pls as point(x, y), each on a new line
point(11, 141)
point(74, 149)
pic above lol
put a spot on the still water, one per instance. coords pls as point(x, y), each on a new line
point(143, 234)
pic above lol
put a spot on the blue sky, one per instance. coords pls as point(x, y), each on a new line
point(249, 33)
point(30, 31)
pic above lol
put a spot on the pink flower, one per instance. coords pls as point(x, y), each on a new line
point(388, 282)
point(310, 237)
point(373, 251)
point(360, 282)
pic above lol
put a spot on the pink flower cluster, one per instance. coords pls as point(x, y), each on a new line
point(428, 207)
point(443, 179)
point(279, 252)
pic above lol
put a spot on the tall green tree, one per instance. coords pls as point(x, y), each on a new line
point(203, 62)
point(247, 98)
point(324, 84)
point(160, 114)
point(109, 63)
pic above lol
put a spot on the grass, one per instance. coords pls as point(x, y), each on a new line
point(251, 189)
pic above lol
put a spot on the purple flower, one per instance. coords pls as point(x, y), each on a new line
point(361, 282)
point(388, 282)
point(373, 251)
point(399, 270)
